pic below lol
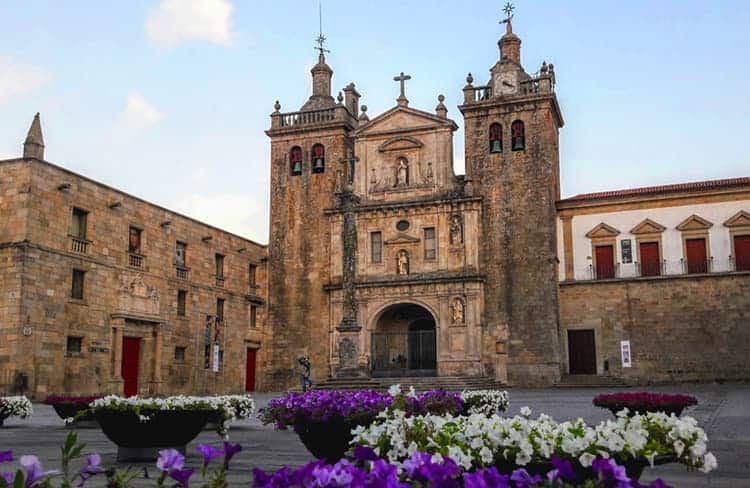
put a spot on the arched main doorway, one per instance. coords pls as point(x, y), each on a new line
point(404, 342)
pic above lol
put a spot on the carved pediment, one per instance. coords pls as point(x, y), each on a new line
point(648, 226)
point(404, 118)
point(602, 230)
point(695, 222)
point(740, 219)
point(402, 239)
point(403, 143)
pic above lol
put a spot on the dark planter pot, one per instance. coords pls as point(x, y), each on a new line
point(141, 441)
point(677, 410)
point(326, 440)
point(67, 410)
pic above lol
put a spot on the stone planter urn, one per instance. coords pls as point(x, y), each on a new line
point(138, 440)
point(326, 440)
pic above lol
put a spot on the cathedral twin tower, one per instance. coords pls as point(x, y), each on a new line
point(383, 262)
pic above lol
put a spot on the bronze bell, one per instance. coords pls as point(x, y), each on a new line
point(318, 165)
point(497, 146)
point(518, 143)
point(297, 168)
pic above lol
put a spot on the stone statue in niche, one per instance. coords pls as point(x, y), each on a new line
point(457, 229)
point(402, 262)
point(402, 173)
point(457, 311)
point(428, 176)
point(373, 181)
point(339, 181)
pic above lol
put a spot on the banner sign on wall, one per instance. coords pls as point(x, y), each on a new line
point(625, 353)
point(627, 251)
point(216, 358)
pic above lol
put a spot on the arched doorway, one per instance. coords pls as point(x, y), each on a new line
point(404, 342)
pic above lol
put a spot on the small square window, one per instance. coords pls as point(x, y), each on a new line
point(253, 316)
point(219, 265)
point(179, 354)
point(220, 308)
point(78, 224)
point(134, 240)
point(74, 345)
point(77, 288)
point(252, 272)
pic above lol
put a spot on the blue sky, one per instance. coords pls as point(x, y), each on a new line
point(168, 99)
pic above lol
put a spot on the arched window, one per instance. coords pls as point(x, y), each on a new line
point(518, 136)
point(318, 158)
point(295, 160)
point(496, 138)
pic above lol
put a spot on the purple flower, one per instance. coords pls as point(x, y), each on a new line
point(6, 456)
point(563, 469)
point(486, 478)
point(611, 473)
point(33, 470)
point(8, 477)
point(92, 468)
point(170, 459)
point(209, 453)
point(230, 449)
point(523, 479)
point(181, 476)
point(365, 453)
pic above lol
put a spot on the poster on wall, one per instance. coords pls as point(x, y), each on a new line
point(627, 251)
point(625, 353)
point(216, 358)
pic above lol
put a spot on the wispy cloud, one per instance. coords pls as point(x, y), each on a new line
point(20, 79)
point(238, 213)
point(140, 114)
point(175, 21)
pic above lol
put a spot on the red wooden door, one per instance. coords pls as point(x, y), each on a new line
point(581, 352)
point(605, 262)
point(131, 352)
point(742, 253)
point(696, 255)
point(650, 262)
point(250, 370)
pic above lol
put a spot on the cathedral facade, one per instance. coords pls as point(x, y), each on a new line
point(384, 262)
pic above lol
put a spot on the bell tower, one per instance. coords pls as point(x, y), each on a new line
point(308, 148)
point(512, 162)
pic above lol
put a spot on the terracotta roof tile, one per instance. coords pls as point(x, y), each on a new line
point(653, 190)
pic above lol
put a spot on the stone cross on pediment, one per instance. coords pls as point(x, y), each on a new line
point(402, 79)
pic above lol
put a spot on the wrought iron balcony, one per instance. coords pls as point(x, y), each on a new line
point(182, 272)
point(136, 260)
point(220, 281)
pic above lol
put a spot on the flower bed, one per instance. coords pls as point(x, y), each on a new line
point(479, 441)
point(15, 406)
point(69, 408)
point(428, 470)
point(643, 402)
point(324, 419)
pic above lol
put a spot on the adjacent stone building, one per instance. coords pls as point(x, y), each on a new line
point(104, 292)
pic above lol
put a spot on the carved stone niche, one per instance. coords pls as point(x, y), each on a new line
point(137, 297)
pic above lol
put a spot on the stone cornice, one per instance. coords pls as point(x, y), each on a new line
point(414, 279)
point(636, 279)
point(390, 206)
point(467, 108)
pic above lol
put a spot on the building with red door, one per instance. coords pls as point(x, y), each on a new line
point(663, 270)
point(102, 292)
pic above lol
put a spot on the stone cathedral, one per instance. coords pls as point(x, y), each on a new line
point(384, 262)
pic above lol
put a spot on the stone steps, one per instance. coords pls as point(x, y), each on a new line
point(451, 383)
point(590, 381)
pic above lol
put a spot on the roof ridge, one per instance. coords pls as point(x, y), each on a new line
point(673, 187)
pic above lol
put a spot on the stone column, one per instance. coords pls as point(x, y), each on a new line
point(156, 377)
point(349, 327)
point(116, 382)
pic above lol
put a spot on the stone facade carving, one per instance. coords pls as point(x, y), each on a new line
point(457, 311)
point(457, 229)
point(402, 262)
point(137, 297)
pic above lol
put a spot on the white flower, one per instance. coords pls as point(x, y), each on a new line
point(679, 447)
point(709, 463)
point(412, 392)
point(525, 412)
point(394, 390)
point(586, 459)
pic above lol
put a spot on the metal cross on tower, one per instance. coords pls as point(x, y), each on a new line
point(402, 78)
point(508, 9)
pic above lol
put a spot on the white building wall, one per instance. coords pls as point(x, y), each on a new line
point(560, 252)
point(672, 250)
